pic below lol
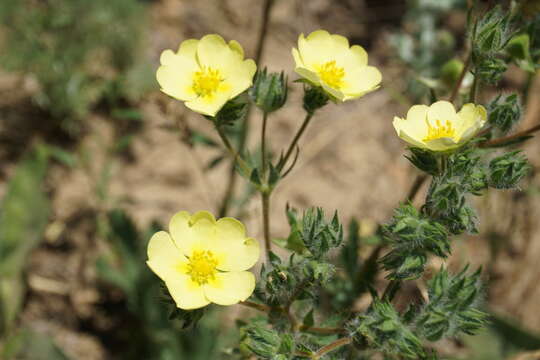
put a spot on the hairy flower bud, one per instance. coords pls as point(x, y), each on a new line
point(507, 170)
point(504, 112)
point(314, 98)
point(269, 91)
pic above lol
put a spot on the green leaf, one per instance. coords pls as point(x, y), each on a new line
point(519, 48)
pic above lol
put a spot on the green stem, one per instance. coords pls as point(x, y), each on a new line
point(332, 346)
point(466, 65)
point(391, 290)
point(292, 146)
point(505, 139)
point(263, 147)
point(234, 154)
point(474, 90)
point(266, 224)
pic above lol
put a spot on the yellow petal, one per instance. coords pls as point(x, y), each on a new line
point(230, 287)
point(199, 215)
point(472, 119)
point(175, 82)
point(188, 48)
point(359, 54)
point(213, 51)
point(442, 111)
point(441, 144)
point(403, 127)
point(164, 258)
point(298, 62)
point(235, 46)
point(181, 231)
point(209, 105)
point(336, 94)
point(187, 294)
point(361, 80)
point(316, 49)
point(340, 42)
point(308, 75)
point(240, 76)
point(235, 251)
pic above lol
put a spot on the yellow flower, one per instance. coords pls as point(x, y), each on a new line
point(204, 261)
point(438, 127)
point(327, 60)
point(205, 73)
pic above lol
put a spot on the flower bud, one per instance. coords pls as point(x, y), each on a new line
point(507, 170)
point(269, 91)
point(451, 71)
point(314, 98)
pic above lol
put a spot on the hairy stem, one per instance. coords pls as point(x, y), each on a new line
point(321, 330)
point(234, 154)
point(263, 31)
point(266, 223)
point(474, 90)
point(455, 90)
point(303, 328)
point(256, 306)
point(332, 346)
point(503, 140)
point(391, 290)
point(263, 147)
point(294, 142)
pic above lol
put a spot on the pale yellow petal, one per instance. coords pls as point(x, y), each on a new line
point(209, 105)
point(199, 215)
point(341, 43)
point(187, 294)
point(235, 251)
point(230, 287)
point(359, 54)
point(297, 58)
point(164, 258)
point(441, 144)
point(214, 52)
point(361, 80)
point(188, 48)
point(180, 231)
point(240, 76)
point(442, 111)
point(403, 127)
point(418, 114)
point(236, 47)
point(336, 94)
point(308, 75)
point(175, 82)
point(316, 49)
point(472, 118)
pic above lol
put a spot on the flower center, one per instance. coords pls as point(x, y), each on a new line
point(440, 131)
point(202, 266)
point(206, 81)
point(331, 74)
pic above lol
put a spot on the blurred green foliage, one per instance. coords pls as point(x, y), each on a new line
point(425, 46)
point(79, 52)
point(24, 214)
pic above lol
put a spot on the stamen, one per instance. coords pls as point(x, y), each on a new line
point(206, 81)
point(202, 266)
point(440, 131)
point(331, 74)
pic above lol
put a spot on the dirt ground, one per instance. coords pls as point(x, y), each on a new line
point(350, 160)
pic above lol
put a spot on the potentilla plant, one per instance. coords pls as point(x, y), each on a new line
point(305, 299)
